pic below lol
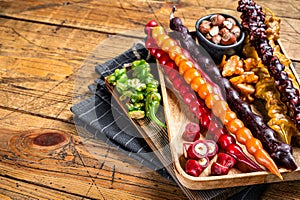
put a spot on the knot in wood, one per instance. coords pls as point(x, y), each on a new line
point(42, 144)
point(49, 139)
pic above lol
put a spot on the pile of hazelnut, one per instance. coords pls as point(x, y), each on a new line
point(220, 30)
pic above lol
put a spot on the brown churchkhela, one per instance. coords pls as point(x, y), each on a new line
point(253, 22)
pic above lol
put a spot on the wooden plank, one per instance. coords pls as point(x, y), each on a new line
point(14, 189)
point(287, 190)
point(52, 59)
point(69, 164)
point(116, 17)
point(43, 45)
point(36, 92)
point(42, 68)
point(110, 12)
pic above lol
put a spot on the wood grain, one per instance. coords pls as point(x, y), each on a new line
point(43, 45)
point(65, 165)
point(14, 189)
point(117, 17)
point(41, 67)
point(287, 190)
point(36, 91)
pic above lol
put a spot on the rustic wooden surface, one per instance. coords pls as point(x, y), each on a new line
point(42, 47)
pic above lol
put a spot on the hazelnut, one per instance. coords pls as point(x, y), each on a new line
point(208, 36)
point(228, 39)
point(228, 24)
point(216, 39)
point(236, 31)
point(204, 27)
point(217, 20)
point(214, 31)
point(223, 31)
point(231, 20)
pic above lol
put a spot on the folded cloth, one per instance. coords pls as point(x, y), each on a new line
point(98, 115)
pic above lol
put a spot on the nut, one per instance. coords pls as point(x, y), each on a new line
point(250, 77)
point(231, 20)
point(237, 80)
point(214, 31)
point(204, 27)
point(228, 24)
point(233, 66)
point(223, 31)
point(250, 63)
point(216, 39)
point(246, 77)
point(208, 36)
point(236, 31)
point(246, 88)
point(217, 20)
point(228, 39)
point(246, 91)
point(220, 30)
point(239, 69)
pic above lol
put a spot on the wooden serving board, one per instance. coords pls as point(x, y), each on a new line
point(176, 121)
point(178, 115)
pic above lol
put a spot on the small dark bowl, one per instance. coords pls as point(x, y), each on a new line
point(217, 51)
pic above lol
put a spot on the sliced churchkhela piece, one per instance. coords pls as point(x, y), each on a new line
point(280, 152)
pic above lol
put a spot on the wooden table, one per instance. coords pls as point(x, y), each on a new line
point(42, 47)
